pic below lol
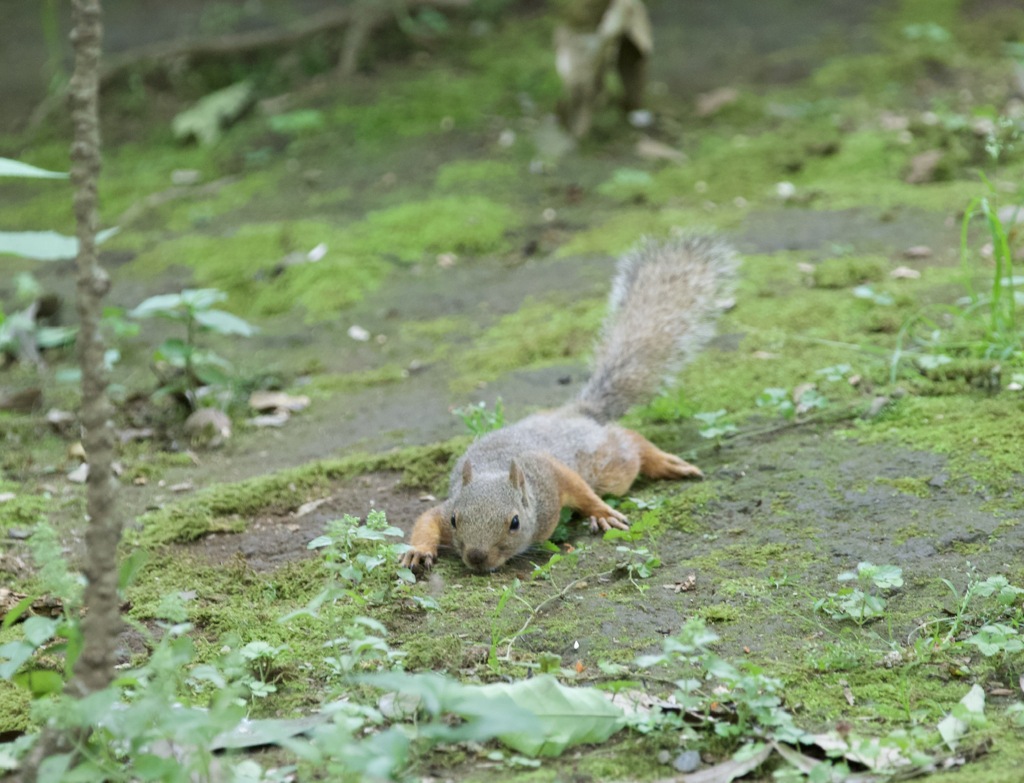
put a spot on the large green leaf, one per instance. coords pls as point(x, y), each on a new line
point(536, 717)
point(15, 168)
point(565, 716)
point(167, 305)
point(224, 323)
point(266, 731)
point(44, 245)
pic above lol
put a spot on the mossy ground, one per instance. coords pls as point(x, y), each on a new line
point(478, 266)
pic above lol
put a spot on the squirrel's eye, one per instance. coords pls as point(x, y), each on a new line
point(514, 524)
point(453, 520)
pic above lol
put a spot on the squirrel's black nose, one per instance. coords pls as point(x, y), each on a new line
point(476, 558)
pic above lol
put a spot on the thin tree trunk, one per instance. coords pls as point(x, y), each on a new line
point(94, 668)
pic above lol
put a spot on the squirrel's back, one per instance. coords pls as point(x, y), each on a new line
point(664, 300)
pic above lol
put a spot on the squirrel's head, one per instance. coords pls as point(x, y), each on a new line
point(492, 518)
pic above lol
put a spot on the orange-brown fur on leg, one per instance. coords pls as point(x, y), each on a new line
point(430, 530)
point(658, 464)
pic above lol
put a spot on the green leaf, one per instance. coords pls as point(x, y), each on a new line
point(202, 298)
point(44, 245)
point(17, 611)
point(39, 630)
point(953, 727)
point(54, 768)
point(268, 731)
point(130, 567)
point(40, 682)
point(887, 577)
point(565, 716)
point(12, 656)
point(55, 336)
point(174, 351)
point(209, 375)
point(15, 168)
point(149, 766)
point(224, 323)
point(167, 305)
point(26, 288)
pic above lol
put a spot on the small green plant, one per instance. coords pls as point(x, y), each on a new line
point(361, 646)
point(262, 659)
point(986, 602)
point(708, 681)
point(635, 560)
point(863, 601)
point(984, 324)
point(715, 425)
point(778, 399)
point(180, 363)
point(996, 639)
point(479, 420)
point(362, 559)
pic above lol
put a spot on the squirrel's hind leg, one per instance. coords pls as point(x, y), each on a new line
point(658, 464)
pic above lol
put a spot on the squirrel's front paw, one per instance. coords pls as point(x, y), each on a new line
point(417, 559)
point(607, 519)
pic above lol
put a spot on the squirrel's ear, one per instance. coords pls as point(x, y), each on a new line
point(467, 472)
point(516, 477)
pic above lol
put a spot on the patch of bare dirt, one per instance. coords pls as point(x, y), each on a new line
point(274, 539)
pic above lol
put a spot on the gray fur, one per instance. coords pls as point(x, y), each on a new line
point(661, 313)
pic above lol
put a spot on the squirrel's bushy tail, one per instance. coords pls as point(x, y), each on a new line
point(664, 301)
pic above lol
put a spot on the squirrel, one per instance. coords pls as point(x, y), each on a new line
point(507, 491)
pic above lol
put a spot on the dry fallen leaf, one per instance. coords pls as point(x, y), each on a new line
point(80, 474)
point(650, 149)
point(923, 167)
point(274, 400)
point(208, 427)
point(918, 251)
point(312, 505)
point(683, 585)
point(271, 419)
point(710, 103)
point(904, 273)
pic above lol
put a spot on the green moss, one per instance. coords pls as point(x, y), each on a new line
point(975, 435)
point(242, 264)
point(15, 705)
point(433, 652)
point(406, 103)
point(617, 231)
point(476, 175)
point(533, 336)
point(449, 224)
point(226, 507)
point(750, 556)
point(24, 509)
point(918, 487)
point(682, 510)
point(850, 271)
point(379, 376)
point(140, 462)
point(719, 613)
